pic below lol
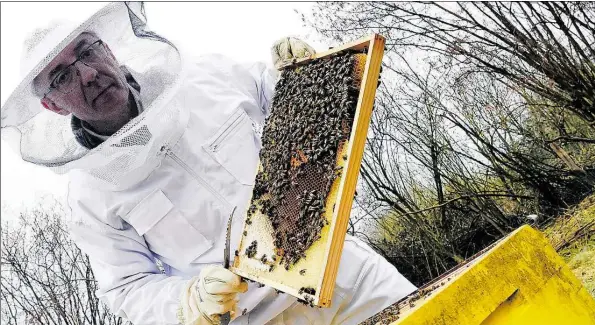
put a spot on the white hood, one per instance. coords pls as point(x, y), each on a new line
point(45, 138)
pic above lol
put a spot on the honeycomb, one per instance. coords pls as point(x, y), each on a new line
point(295, 210)
point(311, 117)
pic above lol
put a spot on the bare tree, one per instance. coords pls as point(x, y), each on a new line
point(46, 279)
point(430, 175)
point(485, 114)
point(544, 47)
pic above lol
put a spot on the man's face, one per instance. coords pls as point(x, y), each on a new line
point(94, 91)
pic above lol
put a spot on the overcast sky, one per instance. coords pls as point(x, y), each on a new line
point(242, 31)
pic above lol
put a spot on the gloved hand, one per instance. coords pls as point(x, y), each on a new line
point(209, 295)
point(287, 49)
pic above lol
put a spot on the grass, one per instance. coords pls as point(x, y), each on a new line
point(573, 236)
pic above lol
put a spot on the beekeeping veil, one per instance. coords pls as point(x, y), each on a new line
point(45, 138)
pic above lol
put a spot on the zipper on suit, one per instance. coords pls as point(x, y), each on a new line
point(226, 132)
point(202, 181)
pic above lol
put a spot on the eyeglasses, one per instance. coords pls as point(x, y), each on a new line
point(65, 80)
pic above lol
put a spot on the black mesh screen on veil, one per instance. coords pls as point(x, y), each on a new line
point(46, 138)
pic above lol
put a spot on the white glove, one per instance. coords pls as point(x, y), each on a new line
point(209, 295)
point(287, 49)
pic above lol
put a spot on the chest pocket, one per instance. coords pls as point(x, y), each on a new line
point(166, 231)
point(234, 147)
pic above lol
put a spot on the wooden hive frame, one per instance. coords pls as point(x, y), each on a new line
point(343, 189)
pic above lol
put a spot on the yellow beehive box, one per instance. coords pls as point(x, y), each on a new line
point(520, 280)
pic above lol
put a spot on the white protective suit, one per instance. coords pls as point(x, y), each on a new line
point(164, 185)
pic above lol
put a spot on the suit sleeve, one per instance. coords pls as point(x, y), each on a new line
point(265, 79)
point(256, 79)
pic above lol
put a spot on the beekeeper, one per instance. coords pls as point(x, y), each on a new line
point(160, 147)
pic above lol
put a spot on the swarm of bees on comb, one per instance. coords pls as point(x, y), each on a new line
point(295, 202)
point(311, 116)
